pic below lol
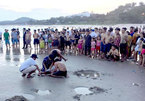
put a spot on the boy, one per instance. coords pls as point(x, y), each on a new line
point(60, 69)
point(113, 54)
point(6, 38)
point(29, 66)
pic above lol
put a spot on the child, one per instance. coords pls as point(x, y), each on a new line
point(60, 69)
point(98, 44)
point(42, 46)
point(93, 43)
point(50, 43)
point(113, 54)
point(80, 45)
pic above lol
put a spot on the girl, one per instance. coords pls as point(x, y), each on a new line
point(42, 46)
point(80, 45)
point(93, 43)
point(98, 44)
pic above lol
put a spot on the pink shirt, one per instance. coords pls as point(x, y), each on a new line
point(98, 43)
point(93, 44)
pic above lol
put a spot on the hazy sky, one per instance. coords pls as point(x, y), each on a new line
point(44, 9)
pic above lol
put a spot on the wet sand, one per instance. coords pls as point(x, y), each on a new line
point(115, 81)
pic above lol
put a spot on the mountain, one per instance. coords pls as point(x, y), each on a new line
point(129, 13)
point(23, 19)
point(19, 21)
point(83, 14)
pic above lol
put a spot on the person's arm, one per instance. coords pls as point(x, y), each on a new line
point(62, 57)
point(44, 66)
point(56, 67)
point(38, 70)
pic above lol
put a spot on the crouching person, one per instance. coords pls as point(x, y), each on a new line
point(60, 69)
point(113, 54)
point(29, 66)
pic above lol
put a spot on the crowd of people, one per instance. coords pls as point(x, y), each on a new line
point(112, 44)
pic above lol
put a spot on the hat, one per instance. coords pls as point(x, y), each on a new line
point(34, 56)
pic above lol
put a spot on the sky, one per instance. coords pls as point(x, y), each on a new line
point(45, 9)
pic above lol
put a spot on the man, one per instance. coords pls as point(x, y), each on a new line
point(123, 44)
point(87, 42)
point(29, 66)
point(131, 31)
point(18, 32)
point(24, 42)
point(36, 40)
point(6, 38)
point(14, 36)
point(60, 69)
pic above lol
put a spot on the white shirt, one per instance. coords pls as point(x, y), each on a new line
point(26, 64)
point(93, 34)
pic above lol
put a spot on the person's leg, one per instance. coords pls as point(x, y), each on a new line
point(29, 74)
point(59, 74)
point(85, 50)
point(29, 71)
point(143, 61)
point(89, 50)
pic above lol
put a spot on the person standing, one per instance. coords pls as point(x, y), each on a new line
point(18, 32)
point(29, 66)
point(27, 39)
point(24, 41)
point(36, 40)
point(6, 38)
point(87, 42)
point(123, 44)
point(0, 36)
point(14, 36)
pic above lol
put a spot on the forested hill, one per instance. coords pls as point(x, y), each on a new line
point(130, 13)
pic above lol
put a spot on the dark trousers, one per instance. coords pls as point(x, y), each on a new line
point(24, 43)
point(87, 50)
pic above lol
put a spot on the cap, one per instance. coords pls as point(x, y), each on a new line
point(34, 56)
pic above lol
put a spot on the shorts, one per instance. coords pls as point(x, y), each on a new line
point(50, 45)
point(143, 51)
point(29, 69)
point(68, 43)
point(27, 41)
point(55, 43)
point(36, 41)
point(60, 73)
point(92, 49)
point(15, 41)
point(97, 48)
point(7, 42)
